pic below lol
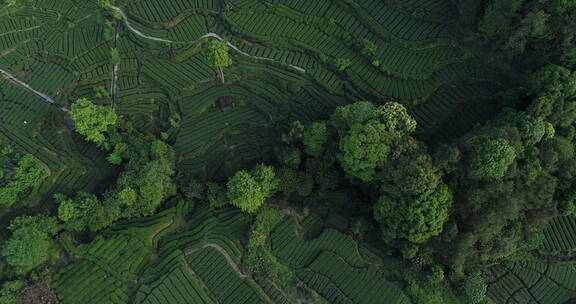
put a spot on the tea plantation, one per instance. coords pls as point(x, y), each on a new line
point(287, 151)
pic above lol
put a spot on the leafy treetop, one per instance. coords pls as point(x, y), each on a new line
point(92, 120)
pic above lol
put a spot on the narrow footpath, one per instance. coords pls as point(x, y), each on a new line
point(208, 35)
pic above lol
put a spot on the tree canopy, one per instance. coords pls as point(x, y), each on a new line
point(29, 174)
point(414, 218)
point(216, 53)
point(30, 244)
point(93, 121)
point(249, 190)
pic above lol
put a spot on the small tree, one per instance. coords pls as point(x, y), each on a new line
point(315, 137)
point(105, 3)
point(115, 56)
point(217, 56)
point(342, 63)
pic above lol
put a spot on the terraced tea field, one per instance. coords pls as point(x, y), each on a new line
point(284, 55)
point(202, 264)
point(293, 60)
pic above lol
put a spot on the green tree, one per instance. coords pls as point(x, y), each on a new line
point(415, 219)
point(216, 195)
point(342, 63)
point(359, 112)
point(30, 244)
point(116, 156)
point(368, 48)
point(396, 119)
point(363, 149)
point(105, 3)
point(315, 138)
point(474, 288)
point(92, 120)
point(489, 158)
point(412, 173)
point(10, 290)
point(83, 212)
point(217, 56)
point(552, 80)
point(249, 190)
point(29, 174)
point(294, 182)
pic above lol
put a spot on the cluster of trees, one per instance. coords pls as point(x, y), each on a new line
point(532, 33)
point(144, 183)
point(470, 202)
point(371, 146)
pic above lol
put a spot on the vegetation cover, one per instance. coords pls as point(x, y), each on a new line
point(287, 151)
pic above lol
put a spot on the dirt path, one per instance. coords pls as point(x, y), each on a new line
point(223, 252)
point(227, 256)
point(114, 85)
point(209, 35)
point(45, 97)
point(6, 7)
point(159, 230)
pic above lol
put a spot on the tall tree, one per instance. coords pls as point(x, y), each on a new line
point(217, 56)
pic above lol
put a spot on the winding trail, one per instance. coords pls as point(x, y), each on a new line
point(223, 252)
point(208, 35)
point(6, 7)
point(114, 85)
point(45, 97)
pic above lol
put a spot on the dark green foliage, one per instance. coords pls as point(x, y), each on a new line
point(342, 64)
point(116, 156)
point(294, 182)
point(356, 113)
point(412, 171)
point(474, 288)
point(552, 80)
point(291, 158)
point(115, 56)
point(414, 218)
point(314, 139)
point(145, 182)
point(532, 33)
point(216, 195)
point(260, 258)
point(489, 158)
point(368, 48)
point(105, 3)
point(396, 118)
